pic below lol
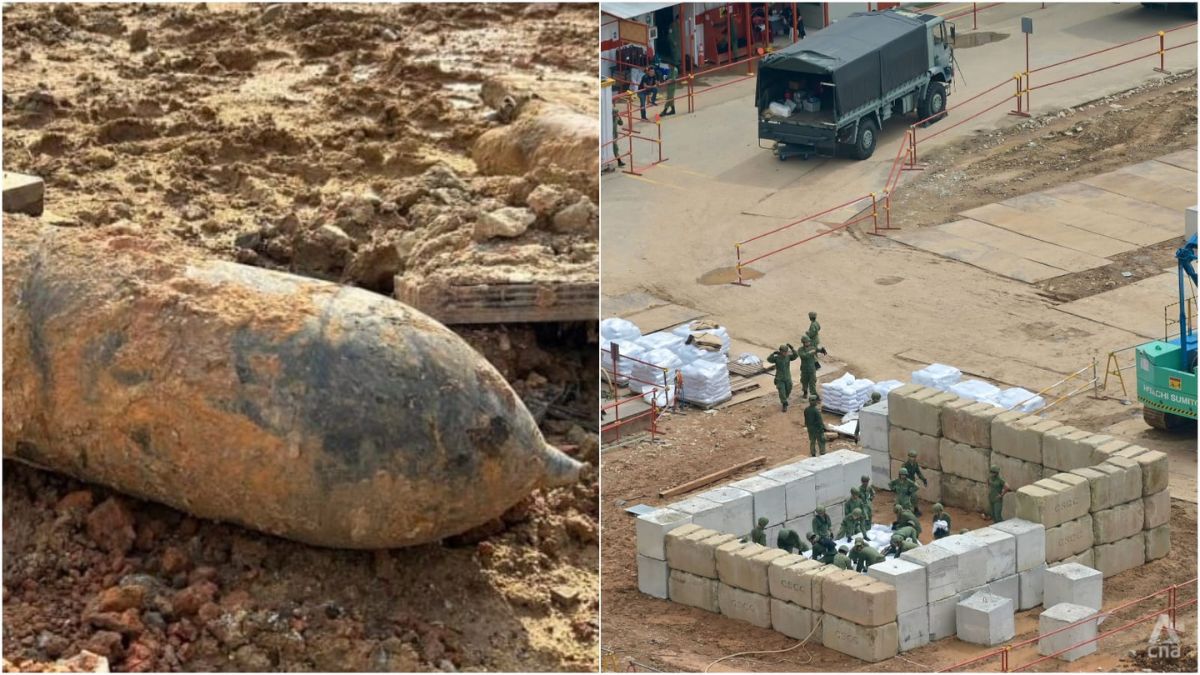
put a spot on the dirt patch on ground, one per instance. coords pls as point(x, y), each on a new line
point(651, 633)
point(334, 142)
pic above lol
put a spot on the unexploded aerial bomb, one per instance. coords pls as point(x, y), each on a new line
point(322, 413)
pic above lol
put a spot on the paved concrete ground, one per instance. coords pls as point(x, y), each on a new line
point(1137, 308)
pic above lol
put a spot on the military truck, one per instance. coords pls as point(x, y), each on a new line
point(837, 87)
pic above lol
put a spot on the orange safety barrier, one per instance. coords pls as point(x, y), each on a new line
point(614, 357)
point(629, 134)
point(1003, 653)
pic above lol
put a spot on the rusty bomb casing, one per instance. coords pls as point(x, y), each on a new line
point(321, 413)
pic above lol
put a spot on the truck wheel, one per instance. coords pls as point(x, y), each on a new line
point(864, 143)
point(933, 103)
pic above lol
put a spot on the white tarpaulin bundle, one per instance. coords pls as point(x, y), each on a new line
point(705, 382)
point(689, 353)
point(642, 373)
point(1021, 399)
point(846, 393)
point(660, 340)
point(976, 390)
point(937, 375)
point(884, 387)
point(618, 329)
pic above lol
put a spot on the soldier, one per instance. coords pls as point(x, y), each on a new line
point(823, 548)
point(855, 501)
point(905, 489)
point(906, 532)
point(841, 559)
point(669, 106)
point(822, 524)
point(906, 517)
point(782, 358)
point(867, 492)
point(899, 545)
point(914, 472)
point(864, 556)
point(852, 525)
point(791, 542)
point(808, 367)
point(997, 488)
point(858, 424)
point(616, 133)
point(759, 534)
point(814, 333)
point(815, 425)
point(941, 522)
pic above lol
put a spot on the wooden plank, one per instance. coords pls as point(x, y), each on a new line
point(710, 478)
point(503, 303)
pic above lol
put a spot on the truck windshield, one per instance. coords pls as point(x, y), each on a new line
point(939, 36)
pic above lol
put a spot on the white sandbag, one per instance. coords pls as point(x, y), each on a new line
point(1021, 399)
point(748, 359)
point(705, 382)
point(882, 388)
point(659, 340)
point(781, 109)
point(976, 390)
point(627, 351)
point(650, 374)
point(937, 375)
point(618, 329)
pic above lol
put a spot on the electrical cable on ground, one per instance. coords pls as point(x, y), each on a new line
point(770, 651)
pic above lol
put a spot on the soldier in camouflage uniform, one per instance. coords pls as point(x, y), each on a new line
point(905, 517)
point(782, 358)
point(863, 556)
point(941, 522)
point(905, 489)
point(823, 548)
point(997, 488)
point(841, 559)
point(808, 367)
point(822, 524)
point(914, 472)
point(867, 492)
point(853, 524)
point(814, 424)
point(899, 545)
point(759, 534)
point(791, 542)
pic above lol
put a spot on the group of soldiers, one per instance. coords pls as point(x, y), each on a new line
point(860, 511)
point(810, 346)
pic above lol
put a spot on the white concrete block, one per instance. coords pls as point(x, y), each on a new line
point(880, 465)
point(1119, 522)
point(752, 608)
point(694, 506)
point(1073, 583)
point(830, 478)
point(734, 512)
point(772, 533)
point(652, 529)
point(1086, 558)
point(1029, 583)
point(855, 465)
point(836, 512)
point(768, 498)
point(799, 487)
point(985, 619)
point(1065, 614)
point(943, 618)
point(972, 558)
point(941, 570)
point(652, 576)
point(793, 620)
point(910, 581)
point(1008, 587)
point(873, 427)
point(1001, 550)
point(1031, 542)
point(912, 628)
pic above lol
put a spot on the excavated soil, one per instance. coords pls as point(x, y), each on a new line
point(643, 633)
point(340, 142)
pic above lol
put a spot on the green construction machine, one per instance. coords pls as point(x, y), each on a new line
point(1166, 369)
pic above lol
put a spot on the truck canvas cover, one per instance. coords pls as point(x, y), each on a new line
point(864, 55)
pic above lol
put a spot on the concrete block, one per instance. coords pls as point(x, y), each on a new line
point(829, 478)
point(790, 578)
point(1121, 555)
point(942, 618)
point(873, 427)
point(1104, 451)
point(23, 194)
point(916, 409)
point(694, 550)
point(1020, 436)
point(1158, 542)
point(799, 488)
point(792, 620)
point(880, 469)
point(1070, 538)
point(909, 580)
point(969, 424)
point(1119, 522)
point(768, 499)
point(1008, 587)
point(693, 591)
point(1001, 548)
point(1131, 468)
point(801, 525)
point(971, 557)
point(652, 576)
point(734, 513)
point(941, 570)
point(902, 440)
point(1157, 508)
point(652, 529)
point(1065, 448)
point(772, 533)
point(1086, 558)
point(1029, 584)
point(964, 493)
point(1111, 484)
point(861, 599)
point(1155, 468)
point(698, 506)
point(912, 628)
point(985, 619)
point(871, 644)
point(964, 460)
point(1052, 501)
point(816, 583)
point(836, 512)
point(1073, 583)
point(742, 605)
point(1057, 617)
point(1030, 539)
point(933, 491)
point(1018, 473)
point(745, 566)
point(855, 465)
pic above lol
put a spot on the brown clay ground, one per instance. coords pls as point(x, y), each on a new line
point(244, 130)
